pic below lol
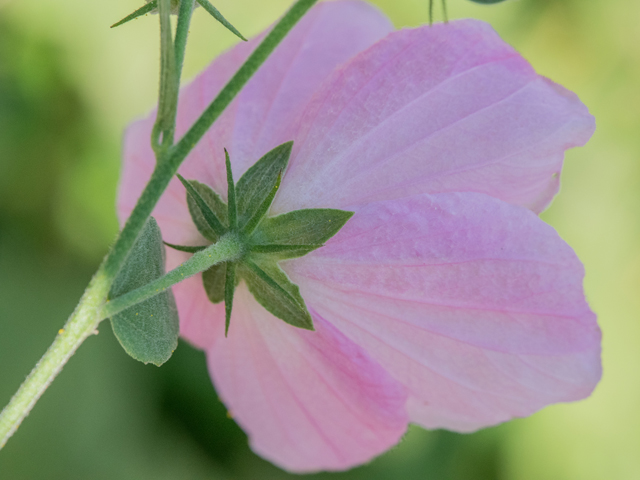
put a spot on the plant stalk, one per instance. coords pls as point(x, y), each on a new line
point(163, 130)
point(82, 323)
point(86, 317)
point(227, 249)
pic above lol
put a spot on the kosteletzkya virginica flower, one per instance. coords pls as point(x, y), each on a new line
point(444, 300)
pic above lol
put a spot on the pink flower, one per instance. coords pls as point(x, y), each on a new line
point(445, 301)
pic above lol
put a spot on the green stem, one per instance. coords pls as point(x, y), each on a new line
point(165, 171)
point(180, 42)
point(168, 92)
point(85, 319)
point(228, 248)
point(158, 182)
point(239, 80)
point(82, 323)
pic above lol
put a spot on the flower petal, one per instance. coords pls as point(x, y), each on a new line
point(475, 305)
point(327, 36)
point(201, 321)
point(434, 109)
point(308, 400)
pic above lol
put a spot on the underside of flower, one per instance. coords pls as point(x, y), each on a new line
point(444, 301)
point(266, 240)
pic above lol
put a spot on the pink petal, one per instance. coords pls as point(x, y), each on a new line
point(475, 305)
point(329, 35)
point(201, 322)
point(308, 400)
point(434, 109)
point(258, 120)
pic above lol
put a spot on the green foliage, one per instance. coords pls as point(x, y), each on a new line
point(149, 330)
point(152, 7)
point(299, 232)
point(149, 7)
point(262, 209)
point(232, 208)
point(81, 324)
point(257, 184)
point(214, 281)
point(185, 248)
point(213, 11)
point(171, 162)
point(229, 290)
point(266, 240)
point(275, 292)
point(206, 209)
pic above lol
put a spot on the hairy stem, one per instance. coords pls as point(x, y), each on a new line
point(82, 323)
point(180, 44)
point(228, 248)
point(165, 170)
point(239, 80)
point(86, 317)
point(162, 135)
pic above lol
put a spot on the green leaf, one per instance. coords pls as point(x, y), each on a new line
point(229, 290)
point(138, 13)
point(213, 280)
point(218, 16)
point(149, 330)
point(308, 228)
point(208, 211)
point(257, 183)
point(274, 291)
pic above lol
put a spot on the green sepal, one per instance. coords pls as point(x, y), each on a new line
point(152, 7)
point(262, 210)
point(213, 281)
point(149, 330)
point(273, 289)
point(267, 240)
point(215, 13)
point(307, 228)
point(232, 208)
point(149, 7)
point(284, 249)
point(229, 290)
point(256, 185)
point(208, 211)
point(185, 248)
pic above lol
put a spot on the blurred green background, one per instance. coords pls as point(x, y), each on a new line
point(68, 87)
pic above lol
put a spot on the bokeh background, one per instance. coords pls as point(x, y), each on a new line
point(68, 87)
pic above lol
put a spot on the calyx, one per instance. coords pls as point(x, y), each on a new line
point(267, 240)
